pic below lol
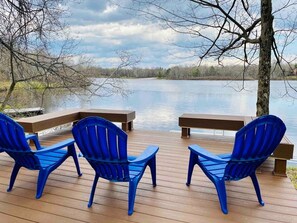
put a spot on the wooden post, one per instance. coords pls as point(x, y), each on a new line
point(185, 132)
point(127, 126)
point(280, 167)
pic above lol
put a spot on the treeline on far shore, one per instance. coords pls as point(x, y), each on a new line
point(192, 72)
point(234, 72)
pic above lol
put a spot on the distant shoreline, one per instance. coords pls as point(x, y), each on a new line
point(208, 78)
point(218, 78)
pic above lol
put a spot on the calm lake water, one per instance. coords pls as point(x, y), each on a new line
point(159, 103)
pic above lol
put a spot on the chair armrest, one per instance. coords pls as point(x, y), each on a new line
point(56, 146)
point(147, 154)
point(34, 138)
point(206, 154)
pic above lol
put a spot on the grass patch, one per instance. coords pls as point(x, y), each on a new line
point(292, 174)
point(4, 85)
point(37, 85)
point(292, 77)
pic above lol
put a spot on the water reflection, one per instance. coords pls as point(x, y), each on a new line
point(159, 103)
point(23, 98)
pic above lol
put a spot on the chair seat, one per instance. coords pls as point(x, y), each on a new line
point(214, 168)
point(51, 158)
point(136, 169)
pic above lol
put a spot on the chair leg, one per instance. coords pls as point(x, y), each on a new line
point(13, 176)
point(257, 188)
point(132, 194)
point(192, 161)
point(93, 190)
point(221, 190)
point(71, 151)
point(152, 165)
point(42, 178)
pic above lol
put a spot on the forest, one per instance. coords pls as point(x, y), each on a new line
point(193, 72)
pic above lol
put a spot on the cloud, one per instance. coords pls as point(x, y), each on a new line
point(149, 41)
point(118, 33)
point(103, 28)
point(110, 9)
point(88, 12)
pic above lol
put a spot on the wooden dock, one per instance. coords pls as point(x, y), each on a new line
point(65, 197)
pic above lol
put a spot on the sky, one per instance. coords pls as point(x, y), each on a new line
point(104, 29)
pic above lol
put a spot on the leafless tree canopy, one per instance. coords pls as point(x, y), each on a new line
point(28, 28)
point(225, 28)
point(246, 30)
point(34, 46)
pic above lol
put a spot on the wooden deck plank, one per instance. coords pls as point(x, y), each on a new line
point(11, 219)
point(65, 196)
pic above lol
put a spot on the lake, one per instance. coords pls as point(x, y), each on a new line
point(159, 103)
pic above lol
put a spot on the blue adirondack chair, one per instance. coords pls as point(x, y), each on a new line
point(104, 146)
point(45, 159)
point(253, 144)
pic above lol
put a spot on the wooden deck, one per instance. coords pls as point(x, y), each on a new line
point(65, 196)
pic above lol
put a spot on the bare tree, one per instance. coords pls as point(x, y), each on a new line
point(34, 47)
point(246, 30)
point(27, 30)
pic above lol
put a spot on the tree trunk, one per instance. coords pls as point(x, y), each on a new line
point(13, 81)
point(7, 96)
point(266, 39)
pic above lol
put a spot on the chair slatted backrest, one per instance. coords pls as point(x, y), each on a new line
point(253, 144)
point(104, 145)
point(13, 141)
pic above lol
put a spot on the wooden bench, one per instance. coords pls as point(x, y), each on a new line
point(283, 152)
point(126, 117)
point(38, 123)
